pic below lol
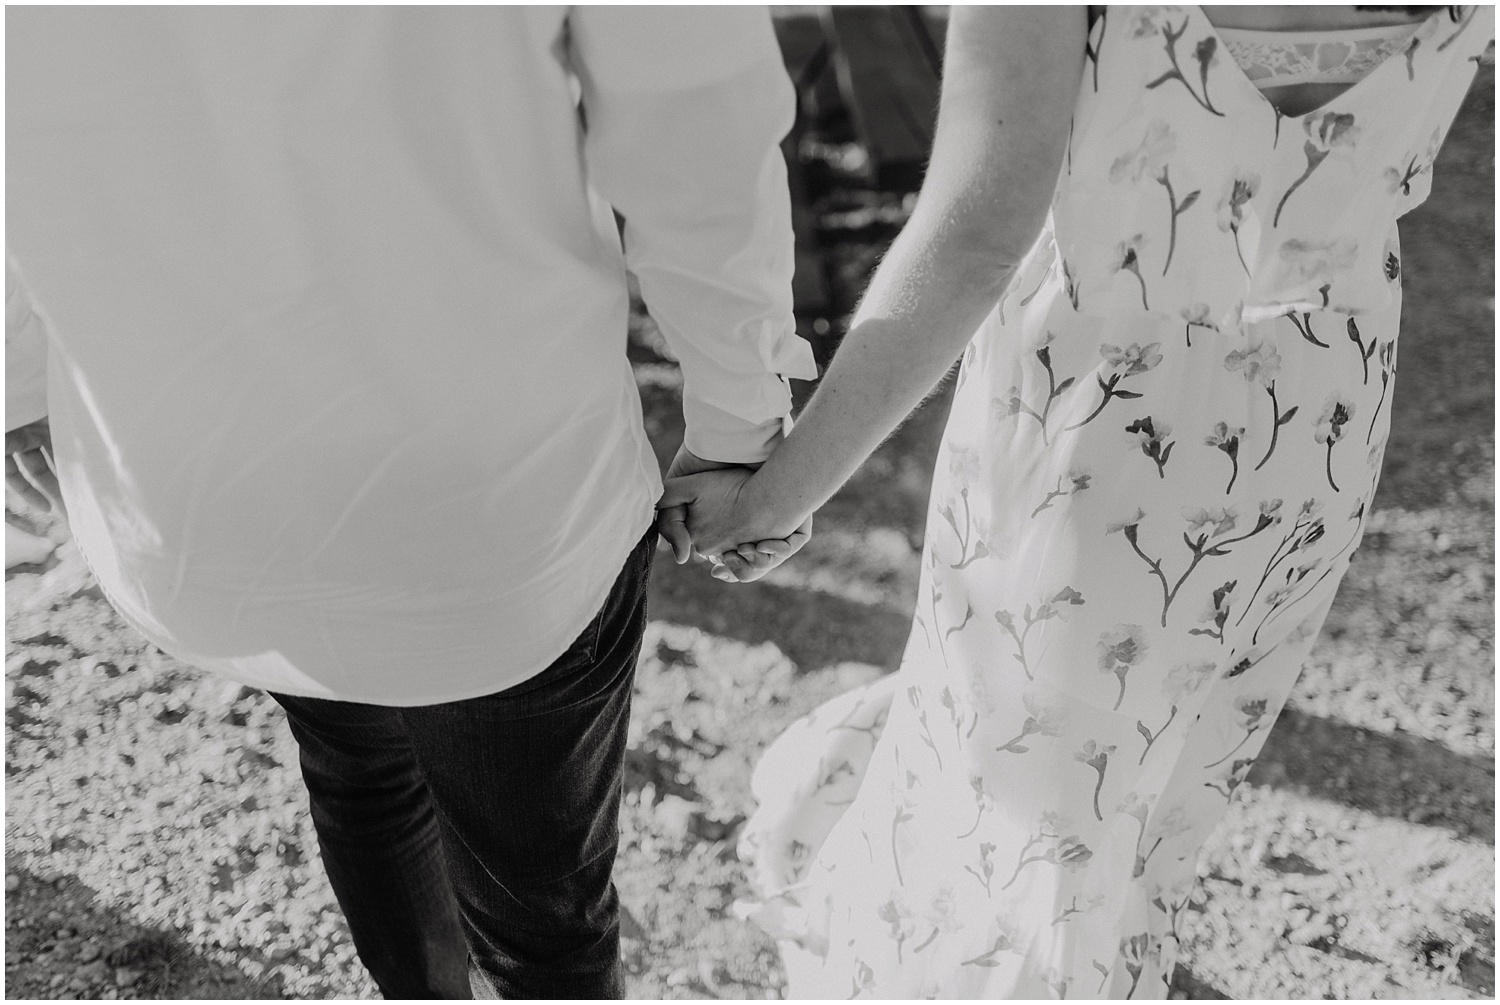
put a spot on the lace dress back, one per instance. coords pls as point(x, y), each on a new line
point(1344, 56)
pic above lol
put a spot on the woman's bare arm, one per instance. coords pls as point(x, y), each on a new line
point(1010, 80)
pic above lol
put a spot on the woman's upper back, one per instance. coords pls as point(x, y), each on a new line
point(1304, 56)
point(1187, 191)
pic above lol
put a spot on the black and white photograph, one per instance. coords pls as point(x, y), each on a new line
point(711, 501)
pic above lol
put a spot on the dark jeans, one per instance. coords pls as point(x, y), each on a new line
point(479, 836)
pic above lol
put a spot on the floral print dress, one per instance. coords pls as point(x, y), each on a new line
point(1160, 456)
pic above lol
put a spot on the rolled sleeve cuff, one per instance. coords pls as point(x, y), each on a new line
point(741, 418)
point(716, 435)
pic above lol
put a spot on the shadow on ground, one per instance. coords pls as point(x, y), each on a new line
point(815, 630)
point(1186, 985)
point(1395, 775)
point(61, 941)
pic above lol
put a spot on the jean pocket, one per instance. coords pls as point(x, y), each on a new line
point(585, 648)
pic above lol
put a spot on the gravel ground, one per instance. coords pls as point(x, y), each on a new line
point(161, 846)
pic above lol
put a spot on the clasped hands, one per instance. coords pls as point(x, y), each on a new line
point(711, 511)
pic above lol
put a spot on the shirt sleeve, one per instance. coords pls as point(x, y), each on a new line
point(686, 108)
point(25, 355)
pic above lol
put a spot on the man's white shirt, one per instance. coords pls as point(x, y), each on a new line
point(333, 311)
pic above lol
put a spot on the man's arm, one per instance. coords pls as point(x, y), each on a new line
point(686, 108)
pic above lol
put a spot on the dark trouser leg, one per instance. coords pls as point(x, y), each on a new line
point(527, 784)
point(510, 801)
point(381, 846)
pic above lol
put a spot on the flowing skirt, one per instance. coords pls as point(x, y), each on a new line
point(1135, 532)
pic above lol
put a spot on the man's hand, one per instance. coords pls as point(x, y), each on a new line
point(745, 563)
point(29, 468)
point(671, 522)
